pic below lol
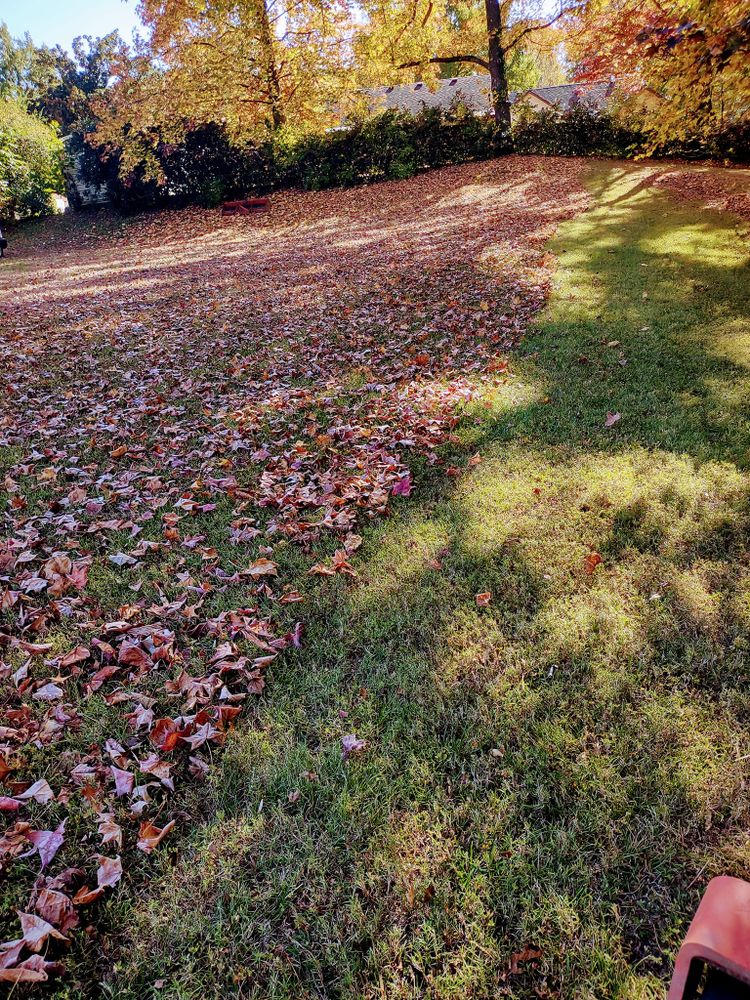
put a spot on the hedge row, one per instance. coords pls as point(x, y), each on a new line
point(581, 131)
point(207, 168)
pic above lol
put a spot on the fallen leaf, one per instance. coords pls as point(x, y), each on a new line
point(262, 567)
point(526, 955)
point(109, 830)
point(47, 842)
point(592, 560)
point(109, 871)
point(122, 559)
point(40, 792)
point(320, 570)
point(48, 692)
point(124, 781)
point(34, 969)
point(77, 655)
point(149, 836)
point(35, 931)
point(403, 487)
point(57, 909)
point(351, 744)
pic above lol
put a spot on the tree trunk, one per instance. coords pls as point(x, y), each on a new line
point(496, 59)
point(270, 70)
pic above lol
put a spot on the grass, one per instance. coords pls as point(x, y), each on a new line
point(549, 781)
point(554, 777)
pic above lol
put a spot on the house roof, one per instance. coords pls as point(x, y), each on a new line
point(474, 92)
point(567, 95)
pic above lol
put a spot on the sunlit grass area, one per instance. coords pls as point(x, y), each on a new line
point(549, 781)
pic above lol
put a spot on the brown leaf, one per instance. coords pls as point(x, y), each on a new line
point(85, 896)
point(109, 871)
point(402, 487)
point(165, 734)
point(48, 692)
point(526, 955)
point(77, 655)
point(35, 931)
point(40, 792)
point(34, 969)
point(57, 909)
point(149, 836)
point(320, 570)
point(109, 830)
point(592, 560)
point(262, 567)
point(350, 744)
point(132, 655)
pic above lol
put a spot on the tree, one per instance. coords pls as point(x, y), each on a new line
point(536, 63)
point(253, 66)
point(30, 148)
point(30, 161)
point(25, 70)
point(694, 53)
point(485, 33)
point(67, 98)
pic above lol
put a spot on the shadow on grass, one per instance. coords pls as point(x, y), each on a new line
point(555, 776)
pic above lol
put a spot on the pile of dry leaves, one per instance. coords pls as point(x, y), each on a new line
point(177, 375)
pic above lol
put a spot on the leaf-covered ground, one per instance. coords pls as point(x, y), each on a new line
point(354, 644)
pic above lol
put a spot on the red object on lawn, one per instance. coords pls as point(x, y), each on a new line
point(719, 936)
point(244, 206)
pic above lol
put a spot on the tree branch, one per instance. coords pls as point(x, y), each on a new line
point(535, 27)
point(447, 59)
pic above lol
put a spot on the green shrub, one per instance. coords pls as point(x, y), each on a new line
point(207, 168)
point(30, 162)
point(579, 131)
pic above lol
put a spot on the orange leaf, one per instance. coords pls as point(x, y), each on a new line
point(149, 835)
point(591, 561)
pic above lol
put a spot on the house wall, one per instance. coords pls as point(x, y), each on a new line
point(81, 194)
point(529, 101)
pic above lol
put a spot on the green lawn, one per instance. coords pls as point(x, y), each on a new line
point(549, 781)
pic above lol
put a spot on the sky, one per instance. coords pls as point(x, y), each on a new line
point(54, 22)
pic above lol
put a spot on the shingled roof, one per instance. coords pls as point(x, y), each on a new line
point(594, 95)
point(474, 93)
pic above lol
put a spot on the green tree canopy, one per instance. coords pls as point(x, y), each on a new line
point(30, 161)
